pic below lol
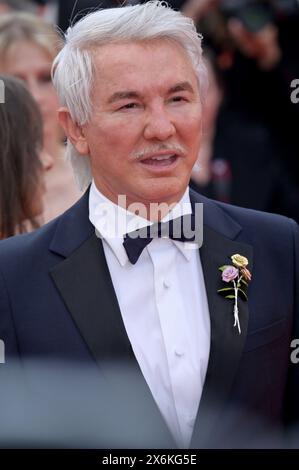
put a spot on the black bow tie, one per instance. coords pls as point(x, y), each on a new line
point(180, 229)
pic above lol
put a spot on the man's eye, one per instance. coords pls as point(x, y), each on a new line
point(178, 98)
point(129, 106)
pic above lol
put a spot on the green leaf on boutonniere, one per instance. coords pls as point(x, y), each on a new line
point(225, 289)
point(229, 296)
point(222, 268)
point(242, 294)
point(244, 282)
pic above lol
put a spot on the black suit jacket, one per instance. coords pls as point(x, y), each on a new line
point(57, 301)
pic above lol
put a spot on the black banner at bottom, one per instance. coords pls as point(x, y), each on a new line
point(140, 458)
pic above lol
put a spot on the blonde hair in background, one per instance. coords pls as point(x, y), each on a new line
point(20, 26)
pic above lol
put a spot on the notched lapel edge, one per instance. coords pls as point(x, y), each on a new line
point(83, 280)
point(227, 344)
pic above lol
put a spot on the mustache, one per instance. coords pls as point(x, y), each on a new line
point(175, 148)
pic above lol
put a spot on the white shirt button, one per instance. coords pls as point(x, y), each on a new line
point(166, 283)
point(178, 352)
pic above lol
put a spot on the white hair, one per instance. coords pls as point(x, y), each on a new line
point(73, 67)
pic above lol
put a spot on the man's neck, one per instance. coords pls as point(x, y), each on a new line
point(153, 211)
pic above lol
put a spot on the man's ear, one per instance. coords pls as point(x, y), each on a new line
point(73, 131)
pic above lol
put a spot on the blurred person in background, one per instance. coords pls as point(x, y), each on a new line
point(256, 127)
point(22, 161)
point(257, 123)
point(18, 5)
point(27, 49)
point(211, 174)
point(224, 164)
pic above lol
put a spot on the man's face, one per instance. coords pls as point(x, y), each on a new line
point(144, 135)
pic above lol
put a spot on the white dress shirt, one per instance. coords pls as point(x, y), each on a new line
point(163, 302)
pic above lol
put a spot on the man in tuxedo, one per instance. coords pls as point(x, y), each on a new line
point(215, 363)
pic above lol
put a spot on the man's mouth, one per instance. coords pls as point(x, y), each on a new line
point(160, 160)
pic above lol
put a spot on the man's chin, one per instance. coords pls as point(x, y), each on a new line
point(165, 195)
point(157, 201)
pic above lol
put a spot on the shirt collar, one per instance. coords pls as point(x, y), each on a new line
point(112, 222)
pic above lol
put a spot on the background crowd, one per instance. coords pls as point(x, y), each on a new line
point(249, 152)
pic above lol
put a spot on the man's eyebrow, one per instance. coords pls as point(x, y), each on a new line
point(123, 95)
point(130, 94)
point(182, 86)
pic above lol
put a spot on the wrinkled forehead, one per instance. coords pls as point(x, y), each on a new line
point(139, 62)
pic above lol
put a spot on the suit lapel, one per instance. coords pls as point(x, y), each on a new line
point(226, 343)
point(84, 282)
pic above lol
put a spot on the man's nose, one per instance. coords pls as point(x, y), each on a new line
point(159, 125)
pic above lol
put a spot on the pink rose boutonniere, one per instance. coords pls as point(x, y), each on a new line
point(238, 276)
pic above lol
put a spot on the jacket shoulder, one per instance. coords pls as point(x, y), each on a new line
point(16, 247)
point(252, 222)
point(35, 243)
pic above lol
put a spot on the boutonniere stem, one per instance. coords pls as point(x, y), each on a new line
point(236, 310)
